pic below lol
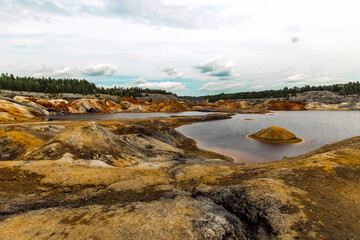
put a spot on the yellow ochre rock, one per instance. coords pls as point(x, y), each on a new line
point(275, 135)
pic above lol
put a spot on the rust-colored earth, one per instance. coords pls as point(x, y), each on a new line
point(275, 135)
point(24, 108)
point(286, 105)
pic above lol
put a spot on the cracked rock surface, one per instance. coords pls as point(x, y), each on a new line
point(141, 179)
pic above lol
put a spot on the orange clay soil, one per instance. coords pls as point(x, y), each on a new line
point(275, 135)
point(286, 105)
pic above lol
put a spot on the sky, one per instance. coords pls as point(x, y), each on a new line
point(190, 47)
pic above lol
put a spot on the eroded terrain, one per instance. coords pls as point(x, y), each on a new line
point(141, 179)
point(24, 106)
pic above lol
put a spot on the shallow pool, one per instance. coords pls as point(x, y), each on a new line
point(316, 128)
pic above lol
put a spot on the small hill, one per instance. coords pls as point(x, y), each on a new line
point(11, 110)
point(167, 106)
point(275, 135)
point(228, 104)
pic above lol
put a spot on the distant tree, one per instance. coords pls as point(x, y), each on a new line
point(49, 85)
point(342, 89)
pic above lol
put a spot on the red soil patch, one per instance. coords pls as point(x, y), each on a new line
point(232, 105)
point(168, 106)
point(54, 104)
point(133, 101)
point(286, 105)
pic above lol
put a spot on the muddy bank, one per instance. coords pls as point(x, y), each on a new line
point(141, 179)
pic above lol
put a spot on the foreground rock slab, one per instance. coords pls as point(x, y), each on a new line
point(141, 179)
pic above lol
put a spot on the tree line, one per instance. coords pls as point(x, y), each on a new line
point(55, 86)
point(342, 89)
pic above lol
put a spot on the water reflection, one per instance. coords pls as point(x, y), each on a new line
point(316, 128)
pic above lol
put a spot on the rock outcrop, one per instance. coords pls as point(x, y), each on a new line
point(84, 105)
point(25, 108)
point(167, 106)
point(285, 105)
point(141, 179)
point(227, 106)
point(29, 107)
point(275, 135)
point(11, 110)
point(231, 105)
point(323, 106)
point(326, 97)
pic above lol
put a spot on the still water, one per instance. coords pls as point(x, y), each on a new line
point(99, 116)
point(316, 128)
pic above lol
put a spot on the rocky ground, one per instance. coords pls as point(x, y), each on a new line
point(23, 106)
point(326, 97)
point(141, 179)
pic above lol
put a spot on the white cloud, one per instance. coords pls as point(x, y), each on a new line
point(217, 67)
point(170, 86)
point(221, 86)
point(140, 80)
point(143, 83)
point(312, 77)
point(156, 12)
point(140, 35)
point(179, 75)
point(172, 71)
point(103, 69)
point(66, 72)
point(295, 77)
point(257, 87)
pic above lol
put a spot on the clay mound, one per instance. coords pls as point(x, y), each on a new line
point(50, 103)
point(275, 135)
point(108, 106)
point(199, 106)
point(357, 106)
point(219, 103)
point(323, 106)
point(89, 141)
point(85, 105)
point(261, 106)
point(10, 111)
point(228, 105)
point(133, 101)
point(285, 105)
point(41, 102)
point(168, 106)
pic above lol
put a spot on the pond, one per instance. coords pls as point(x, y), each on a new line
point(316, 128)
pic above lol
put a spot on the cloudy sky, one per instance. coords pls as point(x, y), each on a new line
point(191, 47)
